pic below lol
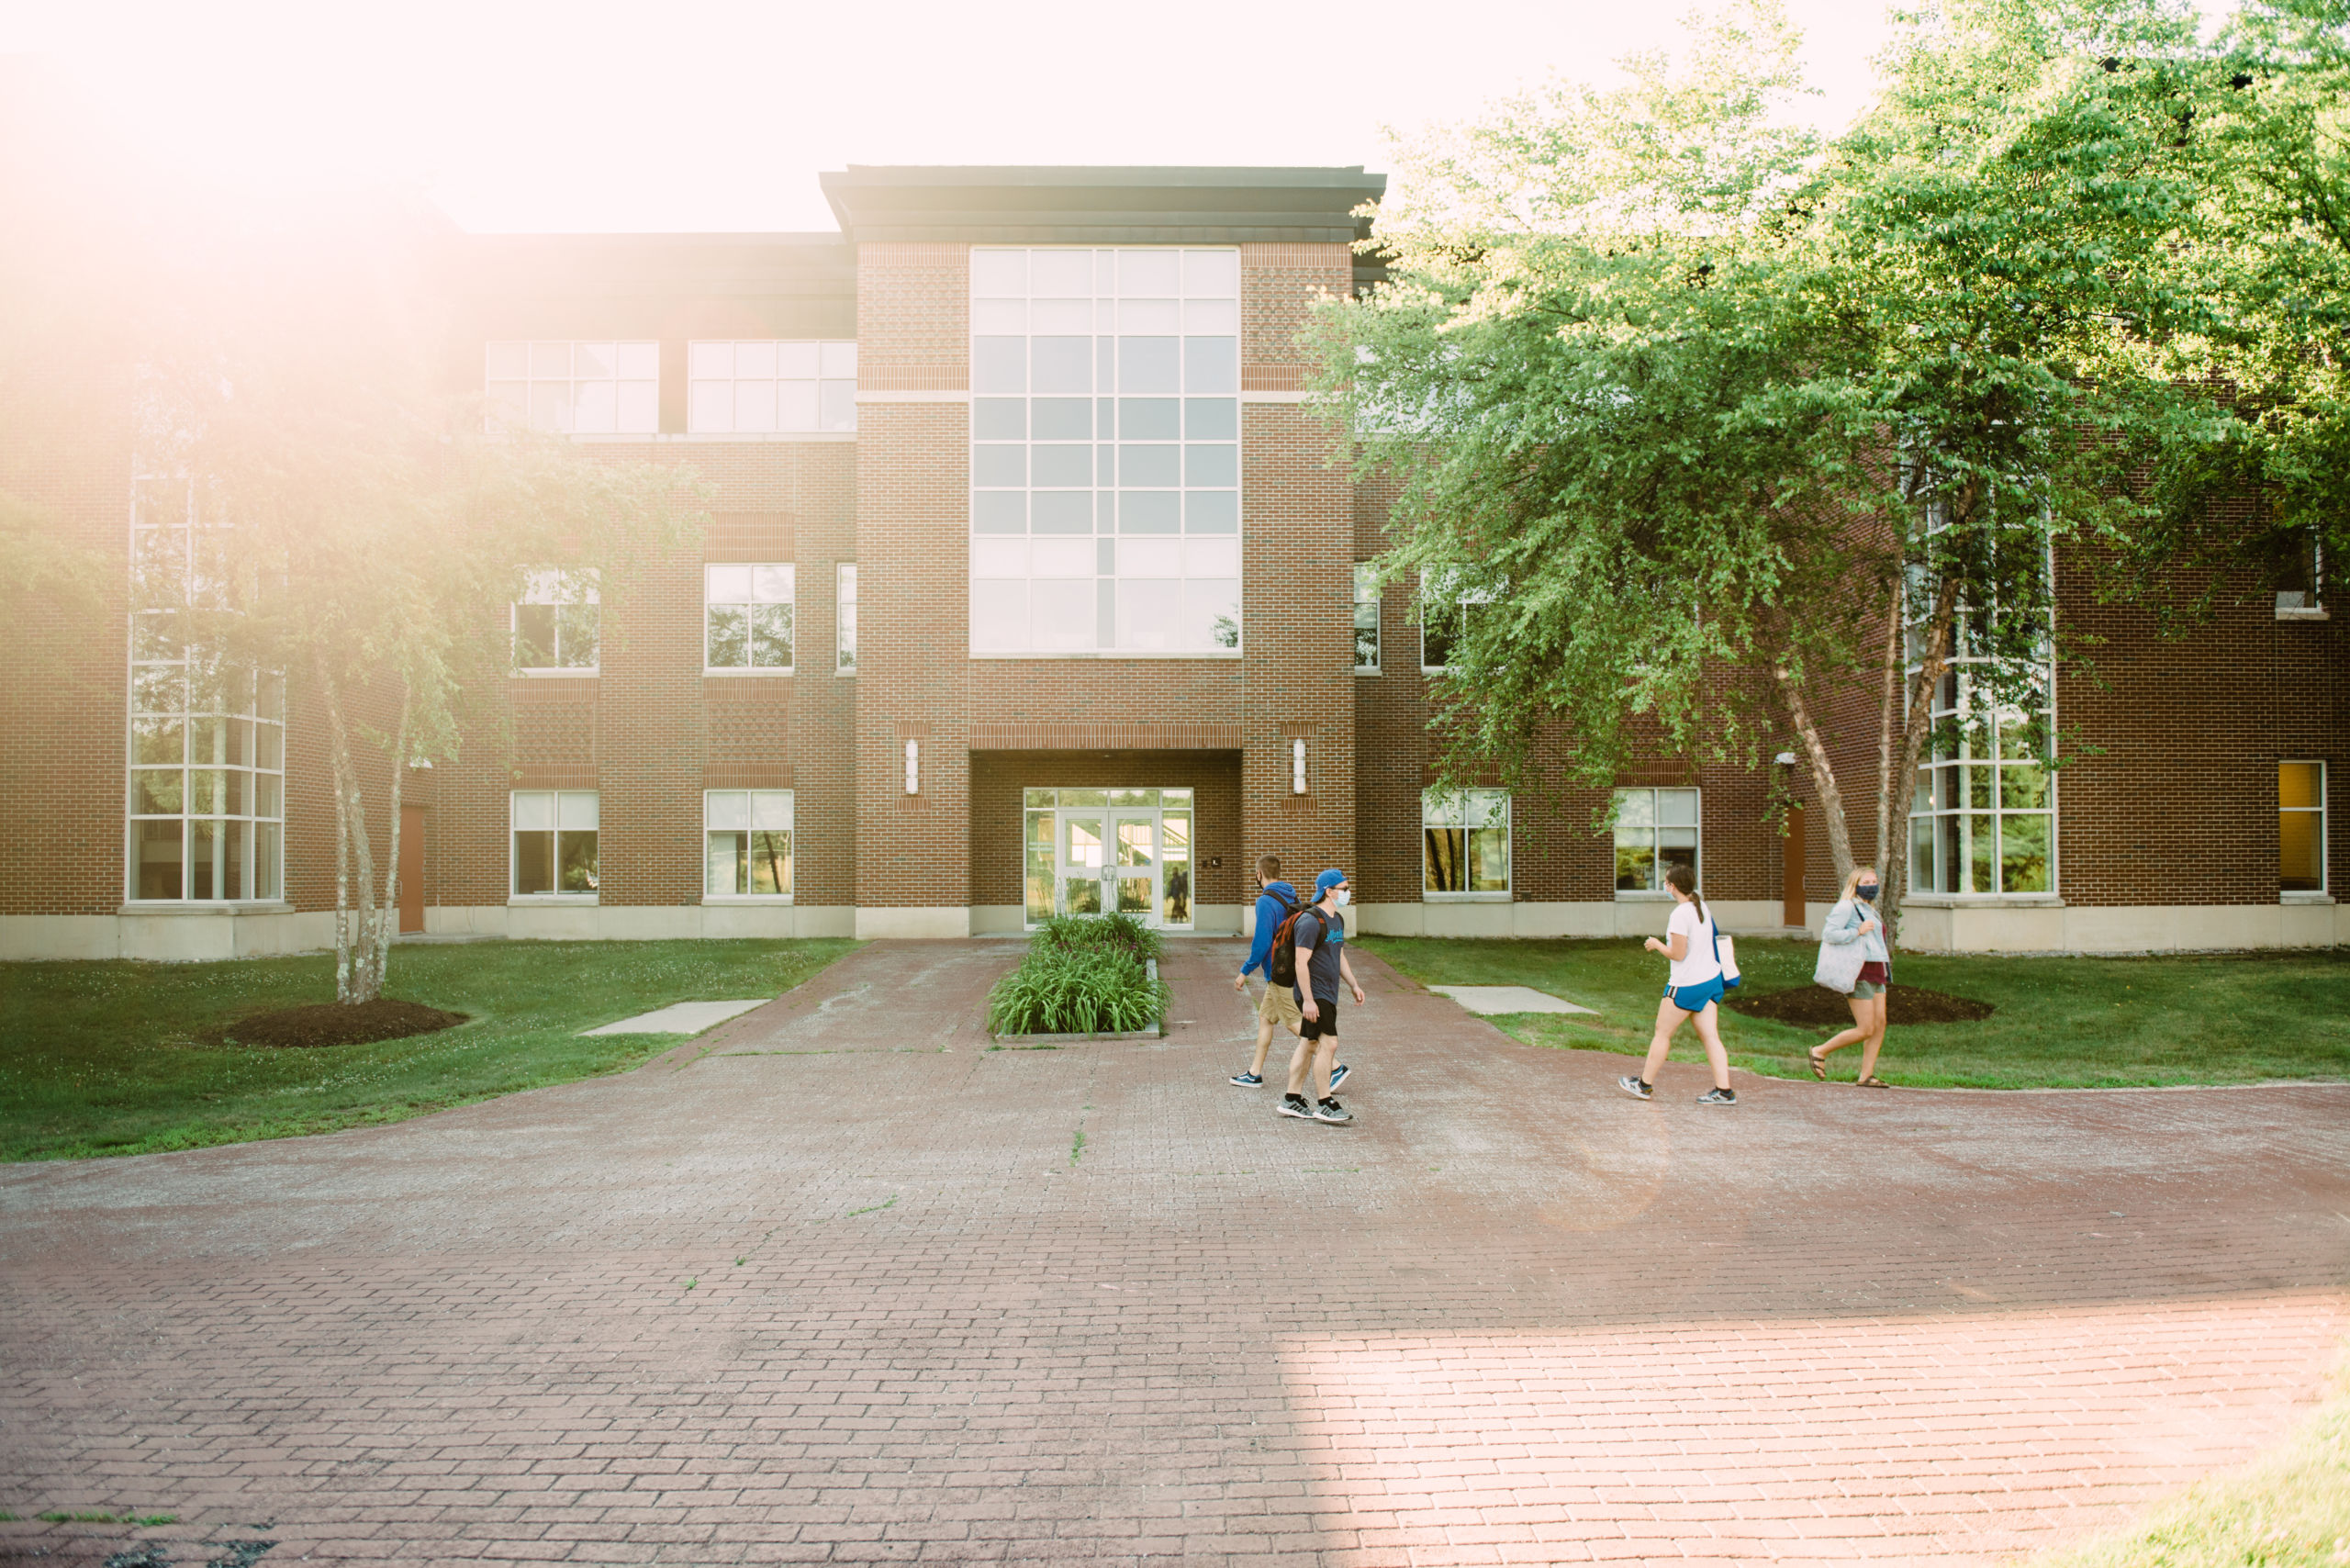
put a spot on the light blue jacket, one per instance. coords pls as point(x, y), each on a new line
point(1843, 924)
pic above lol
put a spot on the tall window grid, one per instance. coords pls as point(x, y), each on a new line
point(1366, 619)
point(554, 843)
point(584, 389)
point(558, 625)
point(1655, 831)
point(206, 739)
point(845, 618)
point(1464, 842)
point(770, 386)
point(746, 617)
point(2300, 827)
point(746, 844)
point(1105, 459)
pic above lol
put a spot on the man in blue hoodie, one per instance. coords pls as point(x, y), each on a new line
point(1278, 1006)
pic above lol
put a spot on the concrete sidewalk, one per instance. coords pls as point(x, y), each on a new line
point(837, 1283)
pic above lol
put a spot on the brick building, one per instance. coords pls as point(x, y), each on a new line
point(1032, 588)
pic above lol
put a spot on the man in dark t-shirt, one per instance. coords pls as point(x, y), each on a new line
point(1321, 965)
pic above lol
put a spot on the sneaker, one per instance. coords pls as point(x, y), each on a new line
point(1338, 1076)
point(1635, 1087)
point(1295, 1106)
point(1718, 1097)
point(1248, 1080)
point(1332, 1111)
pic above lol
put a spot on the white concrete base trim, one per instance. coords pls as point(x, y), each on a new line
point(2130, 928)
point(923, 923)
point(1645, 917)
point(1012, 919)
point(605, 922)
point(1493, 1001)
point(184, 934)
point(681, 1018)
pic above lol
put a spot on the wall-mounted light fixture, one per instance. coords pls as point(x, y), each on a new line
point(1297, 768)
point(913, 767)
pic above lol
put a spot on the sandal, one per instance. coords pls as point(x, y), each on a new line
point(1871, 1082)
point(1819, 1064)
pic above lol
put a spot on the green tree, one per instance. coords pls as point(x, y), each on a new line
point(1721, 428)
point(360, 528)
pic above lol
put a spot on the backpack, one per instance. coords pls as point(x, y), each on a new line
point(1280, 963)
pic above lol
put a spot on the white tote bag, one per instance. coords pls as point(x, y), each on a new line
point(1840, 965)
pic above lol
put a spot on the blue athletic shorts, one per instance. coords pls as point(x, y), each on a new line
point(1695, 998)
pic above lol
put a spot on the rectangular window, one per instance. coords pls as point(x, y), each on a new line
point(844, 623)
point(557, 626)
point(554, 843)
point(1105, 456)
point(1366, 619)
point(2300, 827)
point(1655, 831)
point(206, 763)
point(746, 844)
point(1464, 841)
point(746, 617)
point(584, 389)
point(768, 386)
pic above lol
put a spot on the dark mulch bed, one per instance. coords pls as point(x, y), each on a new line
point(1818, 1005)
point(331, 1024)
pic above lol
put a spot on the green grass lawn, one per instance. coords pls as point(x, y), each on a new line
point(102, 1057)
point(2289, 1509)
point(2062, 1023)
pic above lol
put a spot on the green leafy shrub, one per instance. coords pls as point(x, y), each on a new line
point(1078, 933)
point(1091, 989)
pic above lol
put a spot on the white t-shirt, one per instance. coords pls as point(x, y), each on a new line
point(1701, 964)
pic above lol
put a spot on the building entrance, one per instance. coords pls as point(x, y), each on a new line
point(1103, 851)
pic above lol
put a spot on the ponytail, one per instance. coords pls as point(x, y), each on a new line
point(1681, 877)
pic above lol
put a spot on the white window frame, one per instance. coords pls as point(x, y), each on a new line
point(845, 618)
point(1040, 588)
point(560, 378)
point(759, 811)
point(565, 809)
point(1367, 610)
point(245, 731)
point(2323, 891)
point(1470, 811)
point(1654, 828)
point(749, 388)
point(758, 589)
point(559, 589)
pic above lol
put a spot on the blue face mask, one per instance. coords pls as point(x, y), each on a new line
point(1867, 891)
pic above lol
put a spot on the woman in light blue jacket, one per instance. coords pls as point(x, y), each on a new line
point(1856, 919)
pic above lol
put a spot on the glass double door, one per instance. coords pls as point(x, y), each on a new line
point(1102, 855)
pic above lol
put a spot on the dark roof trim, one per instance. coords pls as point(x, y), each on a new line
point(1064, 204)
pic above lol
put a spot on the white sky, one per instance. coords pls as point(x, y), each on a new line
point(714, 116)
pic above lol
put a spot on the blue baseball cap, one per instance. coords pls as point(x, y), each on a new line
point(1326, 882)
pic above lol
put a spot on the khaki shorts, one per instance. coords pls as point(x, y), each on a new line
point(1278, 1006)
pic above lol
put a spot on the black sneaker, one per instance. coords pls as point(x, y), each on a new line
point(1718, 1097)
point(1295, 1106)
point(1338, 1076)
point(1332, 1111)
point(1246, 1080)
point(1635, 1087)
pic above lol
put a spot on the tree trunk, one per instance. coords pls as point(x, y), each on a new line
point(1823, 772)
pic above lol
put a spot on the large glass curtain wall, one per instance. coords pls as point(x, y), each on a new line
point(1105, 460)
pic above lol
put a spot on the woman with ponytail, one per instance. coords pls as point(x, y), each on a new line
point(1694, 989)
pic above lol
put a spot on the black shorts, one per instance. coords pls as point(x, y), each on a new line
point(1328, 1025)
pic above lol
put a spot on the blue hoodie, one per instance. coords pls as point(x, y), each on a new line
point(1271, 913)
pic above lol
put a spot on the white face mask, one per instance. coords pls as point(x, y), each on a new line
point(1346, 897)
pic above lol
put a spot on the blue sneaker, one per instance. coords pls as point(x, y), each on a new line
point(1248, 1080)
point(1338, 1076)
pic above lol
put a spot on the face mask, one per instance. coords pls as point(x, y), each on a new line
point(1346, 897)
point(1867, 891)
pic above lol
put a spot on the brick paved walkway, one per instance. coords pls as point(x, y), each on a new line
point(1094, 1305)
